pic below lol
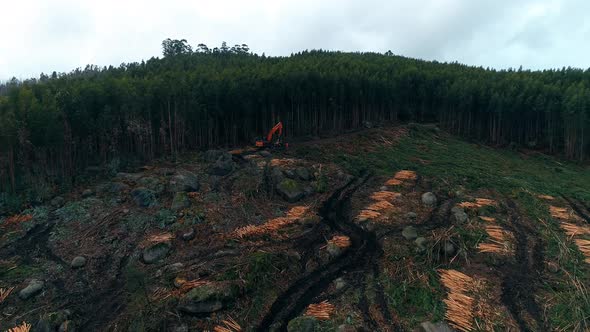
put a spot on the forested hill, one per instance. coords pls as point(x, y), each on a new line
point(53, 126)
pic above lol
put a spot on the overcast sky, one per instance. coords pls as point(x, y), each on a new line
point(47, 35)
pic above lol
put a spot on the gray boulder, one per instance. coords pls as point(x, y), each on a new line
point(205, 307)
point(57, 202)
point(206, 298)
point(156, 252)
point(303, 324)
point(152, 183)
point(87, 193)
point(78, 262)
point(421, 243)
point(33, 288)
point(188, 235)
point(213, 155)
point(265, 153)
point(290, 190)
point(184, 181)
point(303, 174)
point(458, 215)
point(434, 327)
point(410, 233)
point(223, 165)
point(144, 197)
point(429, 199)
point(449, 249)
point(180, 201)
point(411, 216)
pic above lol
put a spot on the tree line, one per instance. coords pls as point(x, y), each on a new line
point(54, 126)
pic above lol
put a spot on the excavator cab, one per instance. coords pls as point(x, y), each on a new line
point(268, 142)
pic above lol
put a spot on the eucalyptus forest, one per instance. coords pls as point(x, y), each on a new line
point(54, 126)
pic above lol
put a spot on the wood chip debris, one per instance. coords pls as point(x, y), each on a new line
point(17, 219)
point(459, 304)
point(341, 241)
point(546, 197)
point(388, 196)
point(321, 311)
point(4, 292)
point(499, 242)
point(273, 225)
point(24, 327)
point(368, 215)
point(487, 219)
point(479, 203)
point(380, 206)
point(584, 246)
point(573, 229)
point(229, 325)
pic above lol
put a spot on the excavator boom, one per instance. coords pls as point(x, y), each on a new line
point(278, 127)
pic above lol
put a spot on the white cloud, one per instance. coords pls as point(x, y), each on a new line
point(60, 35)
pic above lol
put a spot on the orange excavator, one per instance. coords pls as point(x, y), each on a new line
point(278, 143)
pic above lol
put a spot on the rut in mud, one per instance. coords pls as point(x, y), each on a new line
point(580, 208)
point(523, 275)
point(361, 254)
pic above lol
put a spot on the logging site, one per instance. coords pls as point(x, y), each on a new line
point(306, 189)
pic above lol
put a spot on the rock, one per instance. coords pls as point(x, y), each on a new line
point(459, 215)
point(346, 328)
point(303, 174)
point(334, 250)
point(34, 288)
point(409, 233)
point(189, 234)
point(181, 328)
point(429, 199)
point(184, 181)
point(265, 153)
point(174, 268)
point(195, 308)
point(383, 188)
point(303, 324)
point(340, 283)
point(180, 201)
point(43, 326)
point(223, 165)
point(129, 176)
point(434, 327)
point(448, 249)
point(152, 183)
point(411, 216)
point(78, 262)
point(65, 326)
point(57, 202)
point(156, 252)
point(277, 175)
point(144, 197)
point(87, 193)
point(552, 267)
point(421, 243)
point(290, 190)
point(212, 155)
point(290, 174)
point(116, 187)
point(308, 191)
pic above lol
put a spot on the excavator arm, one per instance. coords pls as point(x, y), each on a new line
point(278, 127)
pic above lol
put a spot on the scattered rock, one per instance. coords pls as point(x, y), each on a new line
point(129, 176)
point(434, 327)
point(303, 324)
point(410, 233)
point(156, 252)
point(152, 183)
point(383, 188)
point(144, 197)
point(290, 174)
point(277, 175)
point(87, 193)
point(212, 155)
point(303, 174)
point(265, 153)
point(205, 307)
point(346, 328)
point(180, 201)
point(33, 288)
point(429, 199)
point(290, 190)
point(411, 216)
point(57, 202)
point(223, 165)
point(184, 181)
point(458, 215)
point(421, 243)
point(340, 283)
point(188, 235)
point(449, 249)
point(78, 262)
point(334, 250)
